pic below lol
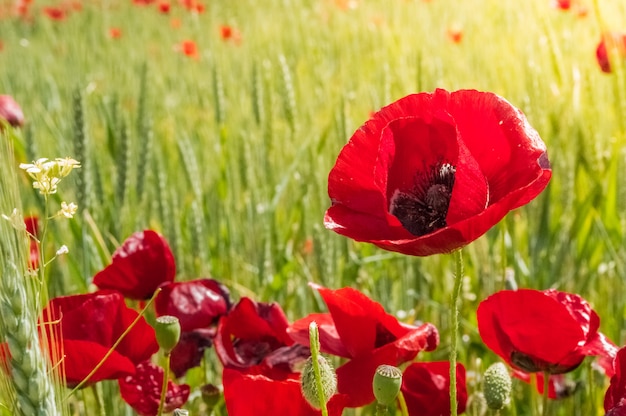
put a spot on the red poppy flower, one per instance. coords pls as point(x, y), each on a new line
point(546, 331)
point(55, 13)
point(164, 7)
point(11, 111)
point(267, 396)
point(615, 397)
point(358, 328)
point(426, 388)
point(563, 4)
point(139, 266)
point(434, 171)
point(88, 326)
point(197, 304)
point(253, 337)
point(189, 48)
point(115, 33)
point(611, 44)
point(32, 228)
point(142, 391)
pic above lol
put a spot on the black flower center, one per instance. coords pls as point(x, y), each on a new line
point(423, 209)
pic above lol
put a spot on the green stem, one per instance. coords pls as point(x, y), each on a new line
point(404, 410)
point(99, 403)
point(546, 393)
point(454, 327)
point(315, 349)
point(110, 351)
point(166, 376)
point(381, 410)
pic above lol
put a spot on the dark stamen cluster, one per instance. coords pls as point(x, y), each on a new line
point(423, 209)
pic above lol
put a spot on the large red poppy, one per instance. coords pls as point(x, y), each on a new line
point(615, 397)
point(83, 328)
point(142, 390)
point(432, 172)
point(546, 331)
point(253, 337)
point(139, 266)
point(358, 328)
point(197, 304)
point(10, 111)
point(611, 43)
point(426, 388)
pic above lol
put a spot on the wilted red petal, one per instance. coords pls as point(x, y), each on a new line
point(11, 111)
point(426, 388)
point(498, 163)
point(196, 303)
point(142, 264)
point(142, 391)
point(559, 386)
point(87, 326)
point(189, 351)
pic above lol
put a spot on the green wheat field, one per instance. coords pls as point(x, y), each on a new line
point(226, 153)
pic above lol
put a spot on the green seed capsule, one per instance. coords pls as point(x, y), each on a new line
point(167, 329)
point(386, 384)
point(497, 386)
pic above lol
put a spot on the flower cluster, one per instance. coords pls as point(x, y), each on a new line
point(47, 174)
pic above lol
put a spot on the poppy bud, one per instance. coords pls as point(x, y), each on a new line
point(210, 395)
point(497, 386)
point(386, 384)
point(309, 384)
point(167, 330)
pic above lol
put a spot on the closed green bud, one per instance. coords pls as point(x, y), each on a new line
point(309, 385)
point(497, 386)
point(167, 329)
point(386, 384)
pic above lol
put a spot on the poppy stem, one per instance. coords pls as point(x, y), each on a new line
point(166, 376)
point(454, 327)
point(404, 410)
point(546, 393)
point(314, 342)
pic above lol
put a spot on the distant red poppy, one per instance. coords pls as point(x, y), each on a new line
point(11, 111)
point(358, 328)
point(546, 331)
point(563, 4)
point(455, 34)
point(615, 397)
point(253, 338)
point(55, 13)
point(267, 396)
point(115, 33)
point(432, 172)
point(142, 391)
point(230, 33)
point(197, 304)
point(142, 264)
point(426, 388)
point(88, 326)
point(32, 228)
point(189, 48)
point(611, 44)
point(164, 7)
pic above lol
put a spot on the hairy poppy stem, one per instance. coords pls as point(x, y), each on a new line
point(114, 346)
point(315, 351)
point(454, 326)
point(166, 376)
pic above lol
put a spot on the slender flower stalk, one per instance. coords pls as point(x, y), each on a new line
point(454, 327)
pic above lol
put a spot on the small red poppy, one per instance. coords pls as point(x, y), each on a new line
point(87, 327)
point(164, 7)
point(546, 331)
point(11, 111)
point(611, 44)
point(32, 228)
point(253, 337)
point(189, 48)
point(358, 328)
point(115, 33)
point(142, 390)
point(142, 264)
point(426, 388)
point(432, 172)
point(615, 397)
point(55, 13)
